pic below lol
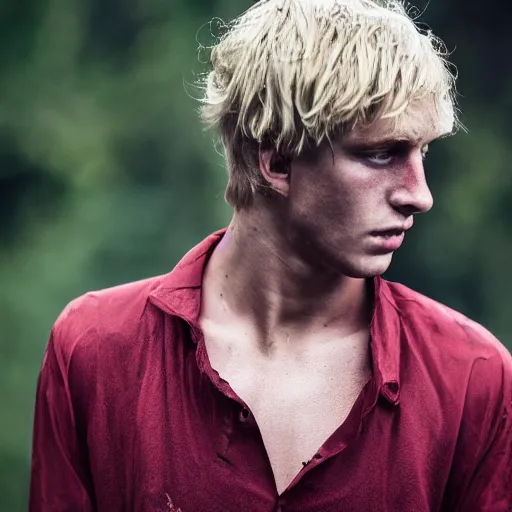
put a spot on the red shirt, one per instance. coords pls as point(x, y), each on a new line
point(130, 416)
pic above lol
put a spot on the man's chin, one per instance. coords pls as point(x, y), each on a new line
point(369, 266)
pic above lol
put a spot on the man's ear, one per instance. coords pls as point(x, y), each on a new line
point(275, 169)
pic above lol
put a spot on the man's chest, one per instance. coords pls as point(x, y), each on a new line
point(295, 415)
point(176, 438)
point(296, 403)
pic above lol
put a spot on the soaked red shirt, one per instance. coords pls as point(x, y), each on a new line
point(130, 416)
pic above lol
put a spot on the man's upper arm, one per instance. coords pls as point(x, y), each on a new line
point(489, 486)
point(60, 479)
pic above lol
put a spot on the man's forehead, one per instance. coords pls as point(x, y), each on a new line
point(419, 124)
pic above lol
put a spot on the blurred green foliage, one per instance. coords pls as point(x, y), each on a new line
point(107, 176)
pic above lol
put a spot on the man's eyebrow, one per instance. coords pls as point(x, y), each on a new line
point(363, 143)
point(390, 140)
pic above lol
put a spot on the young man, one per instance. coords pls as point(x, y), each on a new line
point(273, 369)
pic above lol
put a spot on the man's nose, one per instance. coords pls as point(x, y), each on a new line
point(411, 194)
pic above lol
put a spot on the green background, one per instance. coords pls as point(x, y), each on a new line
point(107, 176)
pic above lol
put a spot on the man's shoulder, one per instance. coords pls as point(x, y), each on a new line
point(438, 320)
point(112, 314)
point(440, 328)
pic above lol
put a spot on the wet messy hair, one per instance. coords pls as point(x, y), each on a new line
point(290, 74)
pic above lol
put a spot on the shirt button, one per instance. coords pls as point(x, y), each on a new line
point(244, 414)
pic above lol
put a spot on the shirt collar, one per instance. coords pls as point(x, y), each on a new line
point(179, 294)
point(385, 334)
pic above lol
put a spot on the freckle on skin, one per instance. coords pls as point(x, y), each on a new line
point(226, 276)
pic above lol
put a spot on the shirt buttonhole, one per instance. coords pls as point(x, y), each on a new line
point(392, 387)
point(391, 392)
point(245, 414)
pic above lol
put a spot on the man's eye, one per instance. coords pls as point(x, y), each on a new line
point(388, 155)
point(380, 158)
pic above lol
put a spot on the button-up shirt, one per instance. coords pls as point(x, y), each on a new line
point(130, 415)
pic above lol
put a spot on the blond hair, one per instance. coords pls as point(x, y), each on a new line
point(292, 73)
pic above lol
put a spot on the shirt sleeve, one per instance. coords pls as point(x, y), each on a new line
point(490, 485)
point(60, 479)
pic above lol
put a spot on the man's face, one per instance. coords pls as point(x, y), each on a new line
point(341, 202)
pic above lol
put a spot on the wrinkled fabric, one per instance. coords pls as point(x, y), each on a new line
point(130, 415)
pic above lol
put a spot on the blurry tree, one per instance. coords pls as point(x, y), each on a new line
point(106, 174)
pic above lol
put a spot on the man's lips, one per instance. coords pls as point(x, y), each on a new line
point(395, 230)
point(388, 232)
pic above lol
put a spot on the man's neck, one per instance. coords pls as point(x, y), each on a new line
point(255, 280)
